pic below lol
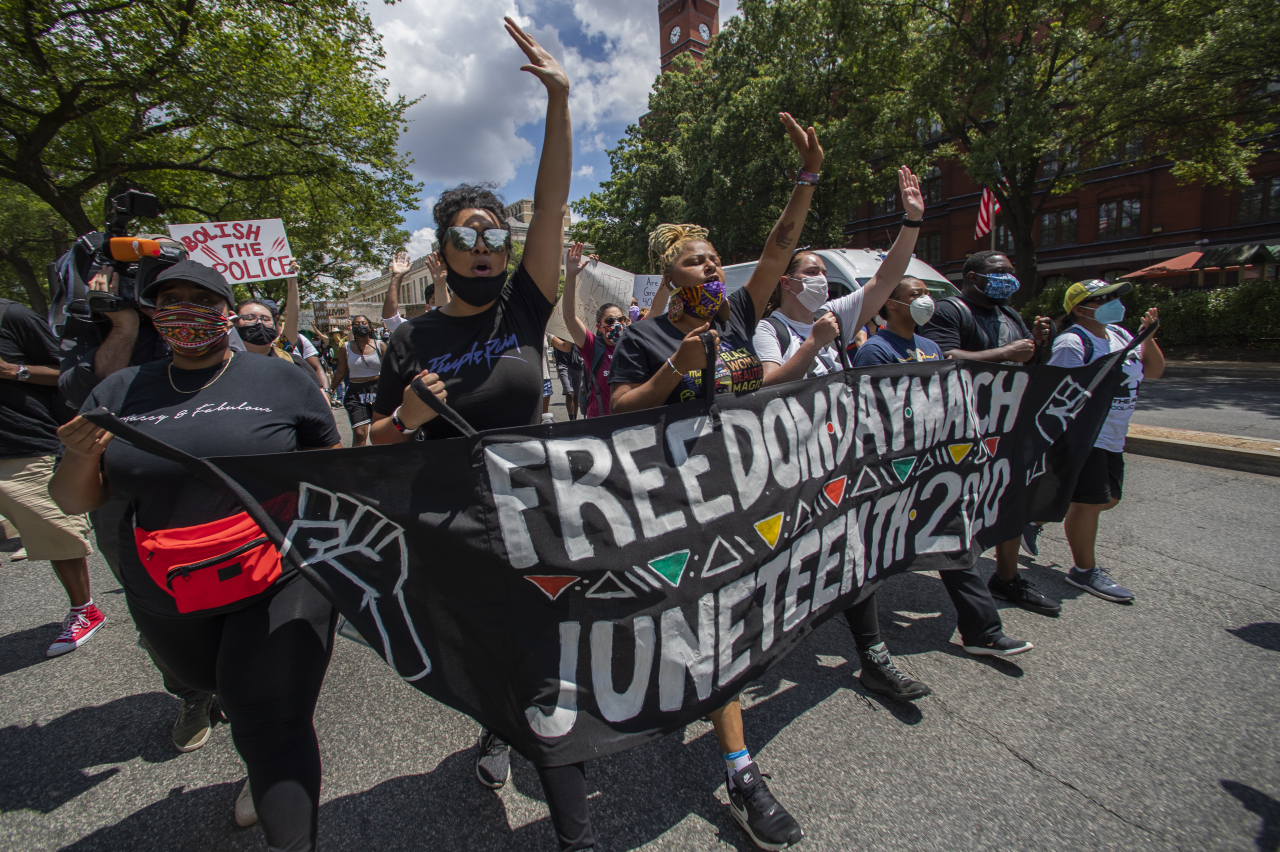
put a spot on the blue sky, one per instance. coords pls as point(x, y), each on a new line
point(480, 118)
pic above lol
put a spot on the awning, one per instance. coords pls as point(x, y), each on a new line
point(1183, 264)
point(1229, 257)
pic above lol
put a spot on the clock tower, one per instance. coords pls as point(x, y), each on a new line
point(686, 26)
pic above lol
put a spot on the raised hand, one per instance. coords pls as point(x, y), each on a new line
point(400, 263)
point(575, 261)
point(541, 63)
point(1151, 317)
point(436, 267)
point(806, 142)
point(292, 268)
point(912, 197)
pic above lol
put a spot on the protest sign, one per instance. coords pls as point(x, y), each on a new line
point(646, 287)
point(585, 587)
point(598, 284)
point(243, 251)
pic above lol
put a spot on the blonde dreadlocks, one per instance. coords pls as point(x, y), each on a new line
point(667, 241)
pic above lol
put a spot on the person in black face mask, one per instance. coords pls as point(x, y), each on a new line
point(360, 362)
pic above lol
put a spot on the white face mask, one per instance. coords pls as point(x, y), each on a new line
point(815, 291)
point(921, 309)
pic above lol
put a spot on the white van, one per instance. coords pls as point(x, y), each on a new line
point(850, 268)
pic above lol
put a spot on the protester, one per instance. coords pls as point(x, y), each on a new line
point(979, 325)
point(1091, 330)
point(92, 351)
point(981, 631)
point(597, 347)
point(359, 364)
point(260, 637)
point(663, 362)
point(29, 442)
point(292, 336)
point(634, 312)
point(505, 315)
point(568, 360)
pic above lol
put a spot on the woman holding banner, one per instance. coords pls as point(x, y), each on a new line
point(502, 314)
point(662, 361)
point(597, 348)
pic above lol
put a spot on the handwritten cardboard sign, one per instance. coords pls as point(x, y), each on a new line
point(248, 250)
point(646, 288)
point(598, 284)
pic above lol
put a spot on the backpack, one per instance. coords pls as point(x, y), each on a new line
point(1085, 339)
point(784, 342)
point(969, 325)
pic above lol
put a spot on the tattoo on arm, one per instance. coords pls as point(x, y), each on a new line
point(783, 239)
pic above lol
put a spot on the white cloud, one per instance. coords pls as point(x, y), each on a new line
point(456, 57)
point(728, 8)
point(585, 171)
point(420, 242)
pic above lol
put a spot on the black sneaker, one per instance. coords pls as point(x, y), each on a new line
point(1021, 592)
point(493, 763)
point(1030, 538)
point(759, 813)
point(881, 676)
point(1002, 647)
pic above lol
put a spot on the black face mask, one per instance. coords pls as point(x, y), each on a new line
point(476, 292)
point(360, 330)
point(257, 334)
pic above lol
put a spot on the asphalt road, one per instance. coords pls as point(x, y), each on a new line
point(1152, 726)
point(1249, 407)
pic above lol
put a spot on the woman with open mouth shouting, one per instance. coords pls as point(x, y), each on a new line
point(662, 362)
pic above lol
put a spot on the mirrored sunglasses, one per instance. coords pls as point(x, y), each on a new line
point(464, 238)
point(608, 322)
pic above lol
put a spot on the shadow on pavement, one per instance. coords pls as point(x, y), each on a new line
point(1255, 801)
point(26, 647)
point(42, 767)
point(191, 820)
point(1264, 634)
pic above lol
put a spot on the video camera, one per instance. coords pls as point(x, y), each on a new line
point(136, 261)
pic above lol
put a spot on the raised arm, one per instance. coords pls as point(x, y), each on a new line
point(291, 306)
point(782, 239)
point(391, 302)
point(887, 278)
point(545, 240)
point(573, 264)
point(436, 267)
point(1152, 357)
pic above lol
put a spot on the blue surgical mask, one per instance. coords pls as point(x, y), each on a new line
point(1110, 313)
point(1000, 285)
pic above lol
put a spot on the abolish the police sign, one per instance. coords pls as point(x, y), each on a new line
point(584, 587)
point(249, 250)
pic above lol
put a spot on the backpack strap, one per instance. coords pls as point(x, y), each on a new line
point(781, 330)
point(593, 385)
point(968, 324)
point(1084, 339)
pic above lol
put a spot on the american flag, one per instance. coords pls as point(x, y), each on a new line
point(987, 211)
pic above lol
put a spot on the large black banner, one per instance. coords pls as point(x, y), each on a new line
point(585, 587)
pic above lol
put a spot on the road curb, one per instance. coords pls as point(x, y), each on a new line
point(1224, 369)
point(1231, 458)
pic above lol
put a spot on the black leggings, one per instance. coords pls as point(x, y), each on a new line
point(976, 613)
point(566, 791)
point(266, 662)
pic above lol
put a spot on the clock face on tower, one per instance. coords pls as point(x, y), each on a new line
point(675, 34)
point(704, 32)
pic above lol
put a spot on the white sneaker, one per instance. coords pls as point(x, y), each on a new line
point(245, 814)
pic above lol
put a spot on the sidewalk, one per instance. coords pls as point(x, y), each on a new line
point(1208, 448)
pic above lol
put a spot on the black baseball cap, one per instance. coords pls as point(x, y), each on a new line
point(197, 273)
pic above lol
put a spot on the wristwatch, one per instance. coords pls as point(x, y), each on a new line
point(399, 424)
point(23, 373)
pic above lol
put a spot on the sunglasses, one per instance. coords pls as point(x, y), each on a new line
point(608, 322)
point(464, 238)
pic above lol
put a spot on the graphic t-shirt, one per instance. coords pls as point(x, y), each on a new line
point(29, 411)
point(885, 347)
point(848, 308)
point(1069, 351)
point(991, 327)
point(602, 375)
point(488, 362)
point(647, 345)
point(259, 405)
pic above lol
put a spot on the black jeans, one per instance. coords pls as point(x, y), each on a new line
point(566, 791)
point(976, 614)
point(266, 662)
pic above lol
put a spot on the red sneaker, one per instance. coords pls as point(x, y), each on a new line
point(78, 626)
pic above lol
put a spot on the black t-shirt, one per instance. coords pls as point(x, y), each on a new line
point(30, 411)
point(646, 345)
point(259, 405)
point(490, 363)
point(991, 327)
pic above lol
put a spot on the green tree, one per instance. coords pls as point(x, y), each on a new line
point(255, 108)
point(33, 236)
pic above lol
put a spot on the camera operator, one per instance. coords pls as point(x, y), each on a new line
point(93, 349)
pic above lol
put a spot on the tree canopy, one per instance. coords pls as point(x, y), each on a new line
point(224, 110)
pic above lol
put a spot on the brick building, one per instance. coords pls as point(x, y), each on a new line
point(686, 26)
point(1125, 216)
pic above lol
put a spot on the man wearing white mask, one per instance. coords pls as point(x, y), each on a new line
point(896, 343)
point(791, 343)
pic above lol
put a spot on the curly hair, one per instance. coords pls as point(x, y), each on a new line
point(977, 262)
point(667, 241)
point(465, 196)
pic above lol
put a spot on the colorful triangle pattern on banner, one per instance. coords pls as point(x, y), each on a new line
point(552, 586)
point(671, 566)
point(835, 490)
point(730, 558)
point(769, 529)
point(959, 451)
point(991, 444)
point(610, 586)
point(902, 467)
point(867, 482)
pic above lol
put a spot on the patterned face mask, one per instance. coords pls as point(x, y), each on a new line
point(190, 329)
point(702, 301)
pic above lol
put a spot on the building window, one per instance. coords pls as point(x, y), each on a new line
point(1111, 276)
point(1004, 237)
point(1126, 151)
point(1120, 218)
point(1260, 201)
point(933, 186)
point(1058, 227)
point(885, 206)
point(929, 249)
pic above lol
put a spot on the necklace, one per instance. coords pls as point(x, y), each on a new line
point(225, 364)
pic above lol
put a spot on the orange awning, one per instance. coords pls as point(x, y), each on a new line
point(1183, 264)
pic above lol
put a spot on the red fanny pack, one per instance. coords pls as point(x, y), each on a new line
point(210, 565)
